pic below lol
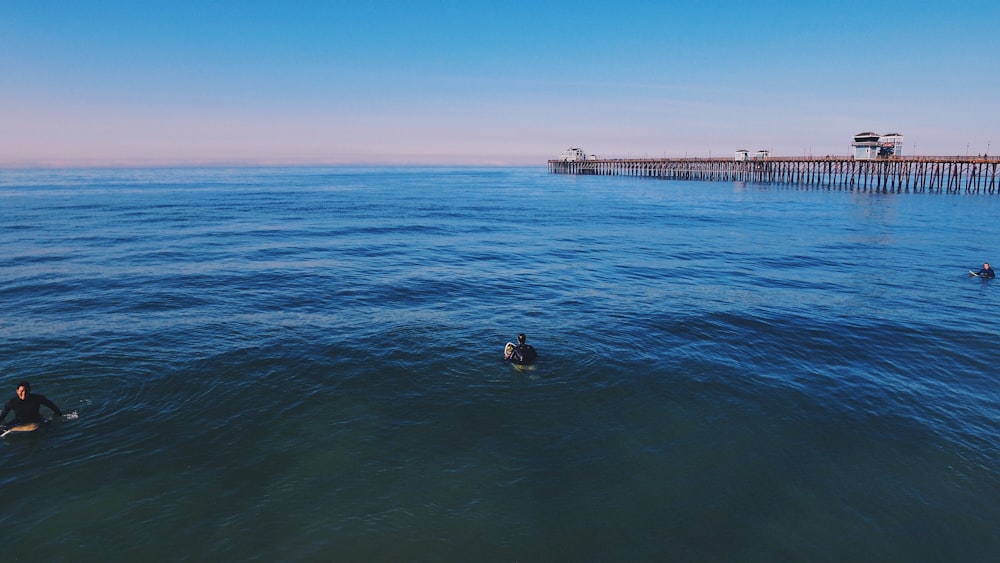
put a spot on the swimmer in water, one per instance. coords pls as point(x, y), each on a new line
point(523, 353)
point(25, 407)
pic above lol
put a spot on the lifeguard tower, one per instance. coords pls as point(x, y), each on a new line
point(866, 145)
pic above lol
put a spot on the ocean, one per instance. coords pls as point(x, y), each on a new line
point(305, 364)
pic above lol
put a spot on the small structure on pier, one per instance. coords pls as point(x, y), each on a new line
point(742, 155)
point(890, 145)
point(762, 154)
point(573, 154)
point(865, 145)
point(870, 145)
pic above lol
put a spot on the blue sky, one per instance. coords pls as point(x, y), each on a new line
point(97, 83)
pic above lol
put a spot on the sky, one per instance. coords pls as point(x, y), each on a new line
point(202, 83)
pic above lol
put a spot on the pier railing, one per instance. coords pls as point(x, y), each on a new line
point(917, 174)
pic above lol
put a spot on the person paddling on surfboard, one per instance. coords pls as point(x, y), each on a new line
point(25, 407)
point(986, 272)
point(522, 353)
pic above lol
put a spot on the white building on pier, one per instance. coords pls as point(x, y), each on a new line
point(573, 155)
point(870, 145)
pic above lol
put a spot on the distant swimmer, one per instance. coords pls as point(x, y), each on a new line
point(521, 353)
point(26, 407)
point(986, 272)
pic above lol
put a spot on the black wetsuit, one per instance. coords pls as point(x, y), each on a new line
point(523, 354)
point(984, 273)
point(26, 411)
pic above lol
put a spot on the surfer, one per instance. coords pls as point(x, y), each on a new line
point(986, 272)
point(523, 353)
point(25, 406)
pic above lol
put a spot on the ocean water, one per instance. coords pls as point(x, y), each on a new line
point(305, 365)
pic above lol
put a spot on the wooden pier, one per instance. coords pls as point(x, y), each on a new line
point(956, 174)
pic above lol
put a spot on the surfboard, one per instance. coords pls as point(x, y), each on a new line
point(971, 273)
point(508, 350)
point(22, 428)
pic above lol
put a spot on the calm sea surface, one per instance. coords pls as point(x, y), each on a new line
point(305, 365)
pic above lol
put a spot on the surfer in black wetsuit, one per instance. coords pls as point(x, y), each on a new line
point(523, 353)
point(986, 272)
point(25, 406)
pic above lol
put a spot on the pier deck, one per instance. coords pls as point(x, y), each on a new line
point(902, 174)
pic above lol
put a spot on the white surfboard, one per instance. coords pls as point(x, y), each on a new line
point(508, 350)
point(971, 273)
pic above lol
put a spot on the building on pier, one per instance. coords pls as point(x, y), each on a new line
point(573, 154)
point(890, 145)
point(742, 155)
point(866, 145)
point(870, 145)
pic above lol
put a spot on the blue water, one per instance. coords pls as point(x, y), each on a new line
point(305, 364)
